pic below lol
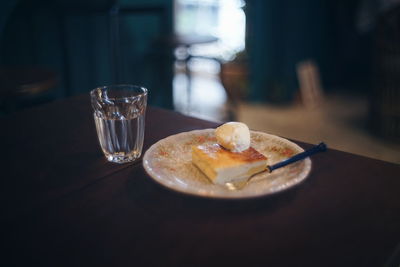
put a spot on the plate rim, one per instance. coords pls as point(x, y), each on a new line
point(154, 176)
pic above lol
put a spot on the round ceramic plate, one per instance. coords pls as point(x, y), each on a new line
point(169, 162)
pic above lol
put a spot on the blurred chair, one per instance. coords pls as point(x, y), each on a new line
point(182, 45)
point(234, 76)
point(22, 87)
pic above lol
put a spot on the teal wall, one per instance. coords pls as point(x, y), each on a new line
point(77, 44)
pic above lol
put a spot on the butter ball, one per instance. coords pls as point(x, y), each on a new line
point(234, 136)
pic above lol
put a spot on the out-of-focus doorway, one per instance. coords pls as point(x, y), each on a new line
point(222, 22)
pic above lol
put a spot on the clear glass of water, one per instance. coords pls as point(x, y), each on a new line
point(119, 113)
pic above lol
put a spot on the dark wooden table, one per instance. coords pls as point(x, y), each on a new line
point(62, 204)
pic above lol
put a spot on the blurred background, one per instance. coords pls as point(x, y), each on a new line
point(309, 71)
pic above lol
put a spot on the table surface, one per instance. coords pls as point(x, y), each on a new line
point(62, 204)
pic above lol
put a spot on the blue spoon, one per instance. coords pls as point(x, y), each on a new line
point(321, 147)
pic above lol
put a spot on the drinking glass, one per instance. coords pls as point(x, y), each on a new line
point(119, 113)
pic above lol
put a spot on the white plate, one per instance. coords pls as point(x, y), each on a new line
point(169, 162)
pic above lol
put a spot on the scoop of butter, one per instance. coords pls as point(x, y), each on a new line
point(234, 136)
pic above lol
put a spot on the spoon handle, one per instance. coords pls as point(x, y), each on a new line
point(321, 147)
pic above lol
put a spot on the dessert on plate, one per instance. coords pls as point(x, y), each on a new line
point(231, 159)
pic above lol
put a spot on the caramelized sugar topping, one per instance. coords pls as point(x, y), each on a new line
point(222, 155)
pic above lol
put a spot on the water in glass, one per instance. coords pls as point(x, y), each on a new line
point(121, 139)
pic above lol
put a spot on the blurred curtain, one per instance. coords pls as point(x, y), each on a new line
point(281, 34)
